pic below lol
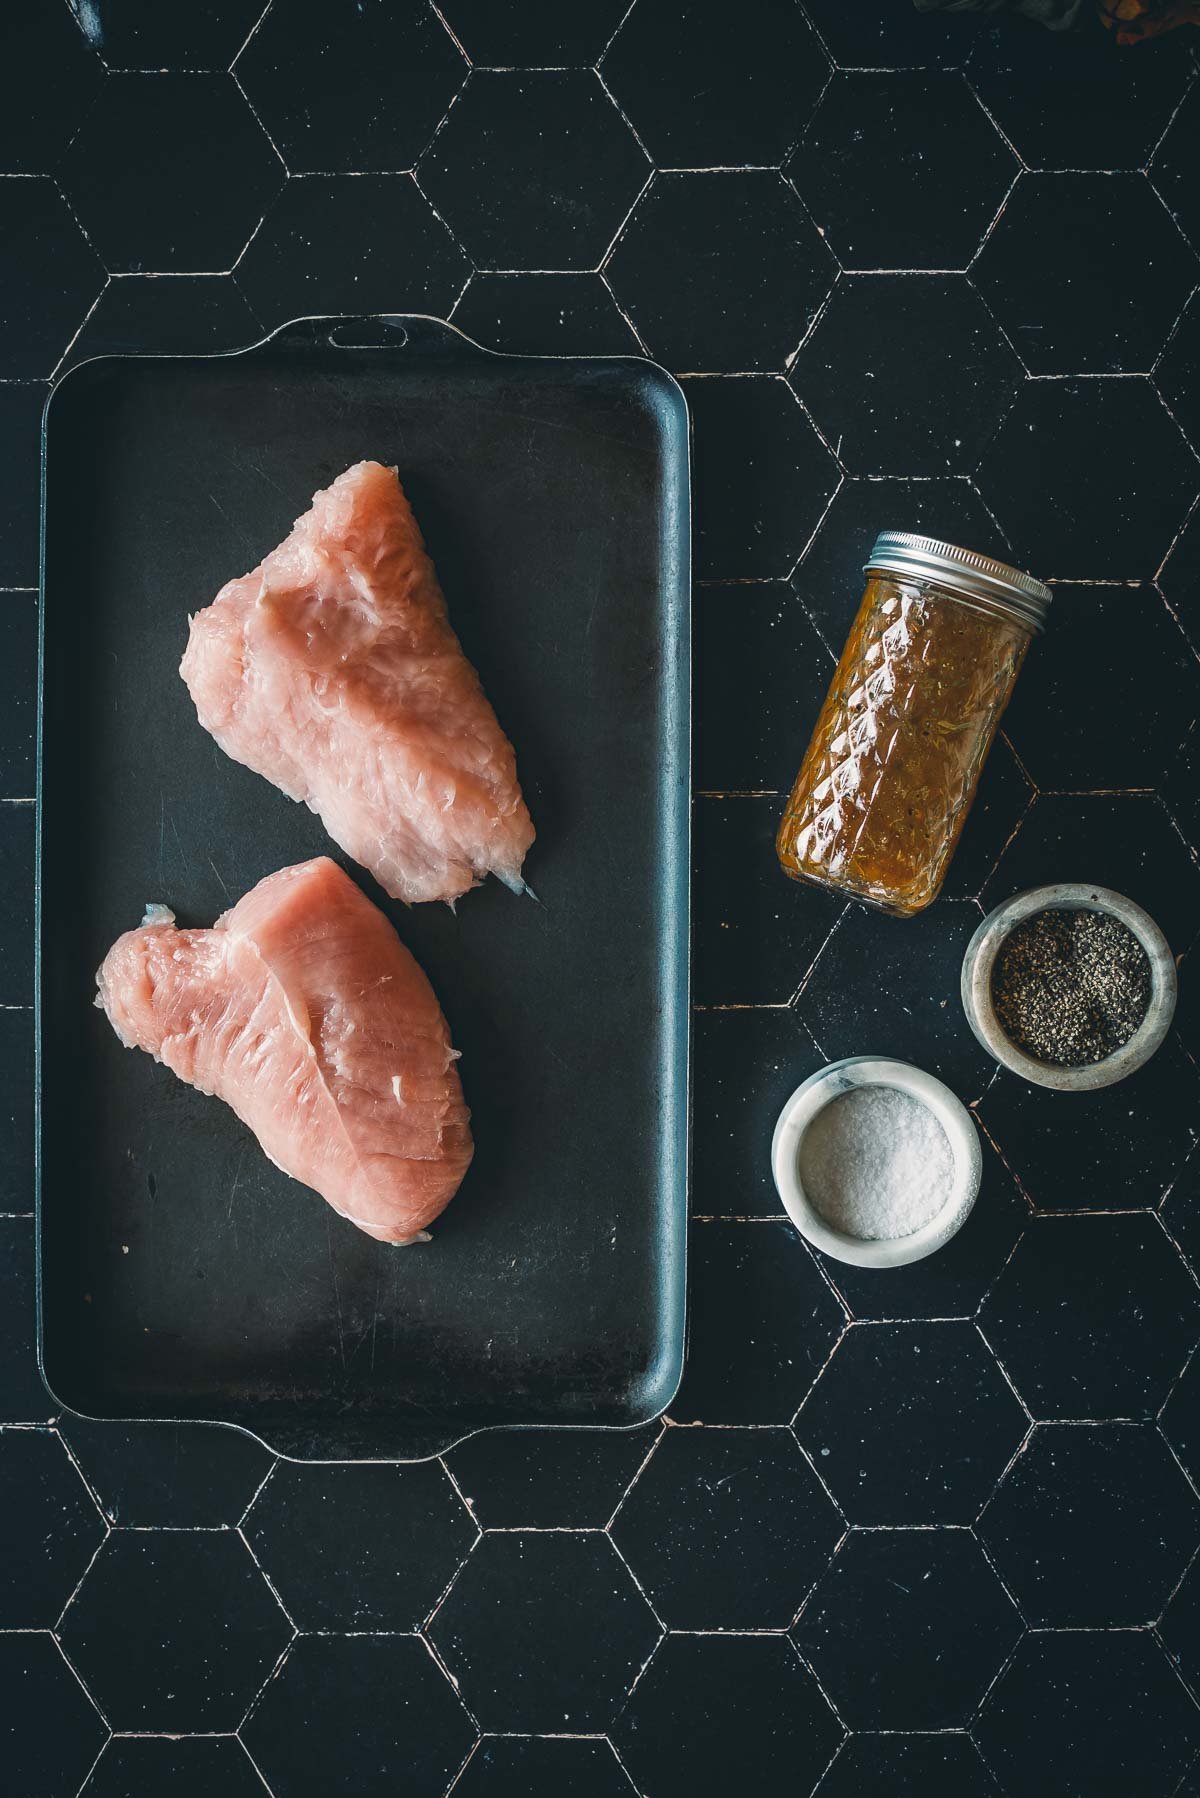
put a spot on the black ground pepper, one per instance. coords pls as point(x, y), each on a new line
point(1071, 987)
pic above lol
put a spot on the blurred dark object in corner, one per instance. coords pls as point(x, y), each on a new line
point(1056, 15)
point(1133, 20)
point(1130, 20)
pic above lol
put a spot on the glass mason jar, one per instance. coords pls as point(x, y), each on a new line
point(890, 773)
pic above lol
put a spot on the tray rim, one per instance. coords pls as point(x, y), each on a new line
point(447, 330)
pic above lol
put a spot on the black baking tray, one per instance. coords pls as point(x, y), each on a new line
point(181, 1275)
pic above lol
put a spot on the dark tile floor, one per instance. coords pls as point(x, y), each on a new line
point(924, 1533)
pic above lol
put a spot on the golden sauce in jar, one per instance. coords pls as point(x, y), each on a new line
point(927, 670)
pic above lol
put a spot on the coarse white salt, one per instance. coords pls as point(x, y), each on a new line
point(876, 1163)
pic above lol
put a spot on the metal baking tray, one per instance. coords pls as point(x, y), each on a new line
point(180, 1274)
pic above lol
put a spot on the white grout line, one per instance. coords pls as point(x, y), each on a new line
point(435, 1655)
point(79, 1679)
point(269, 1582)
point(82, 1792)
point(253, 1762)
point(79, 329)
point(249, 35)
point(637, 137)
point(438, 14)
point(87, 1485)
point(255, 1496)
point(258, 120)
point(75, 1590)
point(811, 1670)
point(270, 1679)
point(638, 1472)
point(1161, 139)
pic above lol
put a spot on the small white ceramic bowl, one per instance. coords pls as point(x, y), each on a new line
point(842, 1077)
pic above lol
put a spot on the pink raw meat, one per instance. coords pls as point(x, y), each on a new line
point(333, 671)
point(303, 1010)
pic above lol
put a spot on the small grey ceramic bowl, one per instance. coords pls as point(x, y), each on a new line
point(842, 1077)
point(980, 960)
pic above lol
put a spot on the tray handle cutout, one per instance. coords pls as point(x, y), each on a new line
point(382, 331)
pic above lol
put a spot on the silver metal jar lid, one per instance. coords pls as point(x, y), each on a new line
point(962, 571)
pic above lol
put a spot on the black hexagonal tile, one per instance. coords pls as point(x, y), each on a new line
point(193, 204)
point(874, 34)
point(1173, 166)
point(49, 276)
point(721, 270)
point(563, 169)
point(1180, 1417)
point(1074, 100)
point(1095, 1711)
point(1062, 239)
point(907, 1628)
point(1179, 1630)
point(714, 1714)
point(1002, 799)
point(761, 477)
point(762, 1324)
point(1120, 1152)
point(49, 1733)
point(18, 685)
point(16, 1112)
point(1143, 692)
point(141, 34)
point(358, 1717)
point(1123, 841)
point(755, 932)
point(1092, 1525)
point(906, 374)
point(20, 424)
point(727, 1529)
point(830, 577)
point(51, 1528)
point(544, 1631)
point(916, 1766)
point(760, 673)
point(544, 315)
point(1177, 374)
point(543, 1767)
point(321, 249)
point(16, 926)
point(548, 1479)
point(195, 1767)
point(911, 1423)
point(745, 1063)
point(907, 1005)
point(167, 315)
point(174, 1630)
point(48, 79)
point(366, 1547)
point(706, 90)
point(1093, 1316)
point(168, 1476)
point(1092, 479)
point(879, 139)
point(23, 1398)
point(348, 88)
point(537, 33)
point(953, 1282)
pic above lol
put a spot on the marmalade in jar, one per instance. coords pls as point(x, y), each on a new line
point(927, 670)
